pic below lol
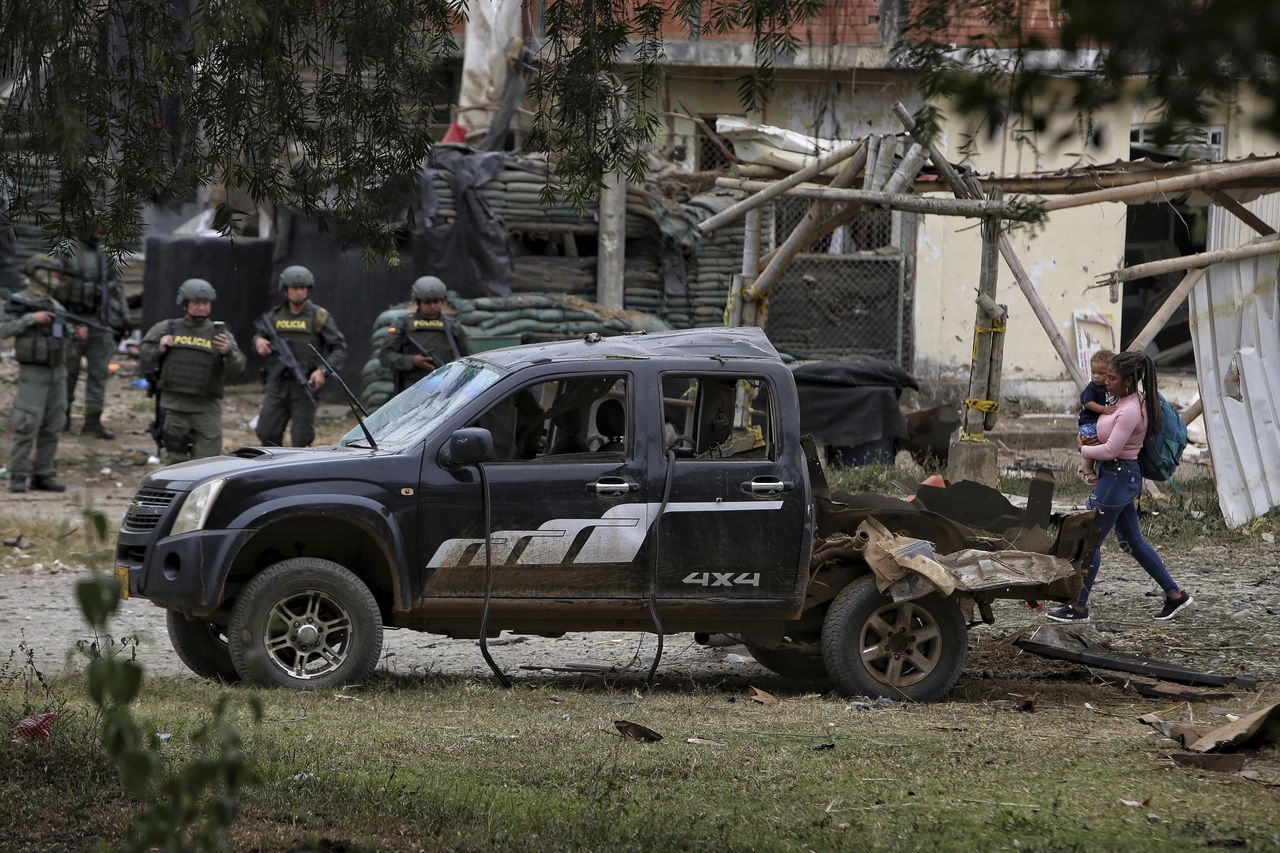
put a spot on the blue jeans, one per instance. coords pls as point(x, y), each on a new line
point(1114, 497)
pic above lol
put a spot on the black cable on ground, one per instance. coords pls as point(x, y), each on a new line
point(657, 553)
point(488, 579)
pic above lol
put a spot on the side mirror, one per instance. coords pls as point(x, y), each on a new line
point(467, 446)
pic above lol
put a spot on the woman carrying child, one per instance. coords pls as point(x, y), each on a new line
point(1115, 454)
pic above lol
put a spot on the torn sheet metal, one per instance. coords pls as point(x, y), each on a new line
point(895, 559)
point(1235, 326)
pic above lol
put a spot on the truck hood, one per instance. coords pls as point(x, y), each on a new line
point(186, 475)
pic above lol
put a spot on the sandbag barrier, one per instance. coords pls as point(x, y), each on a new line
point(529, 316)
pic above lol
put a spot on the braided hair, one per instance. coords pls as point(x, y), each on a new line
point(1139, 367)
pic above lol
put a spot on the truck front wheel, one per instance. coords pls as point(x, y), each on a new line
point(907, 650)
point(305, 623)
point(202, 646)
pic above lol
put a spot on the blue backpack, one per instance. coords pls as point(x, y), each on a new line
point(1162, 451)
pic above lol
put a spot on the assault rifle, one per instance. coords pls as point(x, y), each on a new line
point(18, 305)
point(267, 329)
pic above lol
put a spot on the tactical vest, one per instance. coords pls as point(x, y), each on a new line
point(192, 365)
point(298, 330)
point(37, 345)
point(432, 336)
point(83, 291)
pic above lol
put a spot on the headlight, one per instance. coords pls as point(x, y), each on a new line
point(195, 509)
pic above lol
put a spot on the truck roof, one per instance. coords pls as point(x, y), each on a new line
point(712, 343)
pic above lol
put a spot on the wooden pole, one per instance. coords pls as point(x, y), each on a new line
point(706, 128)
point(884, 162)
point(777, 188)
point(1269, 246)
point(977, 208)
point(841, 217)
point(980, 366)
point(958, 187)
point(907, 170)
point(1190, 413)
point(611, 252)
point(1158, 186)
point(801, 235)
point(1244, 214)
point(1158, 320)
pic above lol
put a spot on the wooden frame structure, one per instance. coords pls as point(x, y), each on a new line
point(898, 187)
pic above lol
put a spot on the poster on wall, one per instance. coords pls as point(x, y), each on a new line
point(1094, 332)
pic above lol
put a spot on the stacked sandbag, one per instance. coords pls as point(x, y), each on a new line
point(537, 316)
point(543, 314)
point(717, 258)
point(515, 195)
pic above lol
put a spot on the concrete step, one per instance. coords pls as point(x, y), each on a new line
point(1036, 432)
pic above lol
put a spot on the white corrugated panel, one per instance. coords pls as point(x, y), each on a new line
point(1235, 326)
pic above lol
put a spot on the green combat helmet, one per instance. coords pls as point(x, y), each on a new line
point(196, 289)
point(41, 263)
point(296, 276)
point(428, 289)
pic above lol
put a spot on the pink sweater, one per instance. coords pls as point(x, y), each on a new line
point(1121, 433)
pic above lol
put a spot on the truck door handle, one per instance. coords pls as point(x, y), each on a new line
point(767, 486)
point(612, 486)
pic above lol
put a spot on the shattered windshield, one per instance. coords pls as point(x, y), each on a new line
point(413, 413)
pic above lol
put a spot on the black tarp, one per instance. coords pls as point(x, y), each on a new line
point(354, 292)
point(471, 254)
point(240, 270)
point(852, 403)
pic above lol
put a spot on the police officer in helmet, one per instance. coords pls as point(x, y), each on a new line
point(41, 342)
point(194, 354)
point(425, 338)
point(297, 322)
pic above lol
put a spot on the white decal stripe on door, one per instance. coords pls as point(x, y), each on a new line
point(616, 537)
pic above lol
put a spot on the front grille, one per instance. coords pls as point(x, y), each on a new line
point(146, 510)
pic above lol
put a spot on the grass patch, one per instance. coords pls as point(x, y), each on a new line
point(410, 763)
point(74, 542)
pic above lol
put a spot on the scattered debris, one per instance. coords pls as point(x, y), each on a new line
point(635, 731)
point(702, 741)
point(763, 697)
point(20, 542)
point(1217, 762)
point(1136, 665)
point(35, 727)
point(505, 641)
point(1137, 804)
point(1025, 705)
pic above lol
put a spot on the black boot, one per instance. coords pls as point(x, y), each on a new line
point(93, 427)
point(18, 483)
point(45, 483)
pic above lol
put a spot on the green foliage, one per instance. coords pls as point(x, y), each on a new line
point(323, 105)
point(1191, 55)
point(192, 805)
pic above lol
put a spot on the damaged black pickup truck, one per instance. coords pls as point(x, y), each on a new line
point(649, 482)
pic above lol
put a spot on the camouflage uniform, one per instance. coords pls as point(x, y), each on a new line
point(284, 401)
point(40, 400)
point(190, 381)
point(81, 292)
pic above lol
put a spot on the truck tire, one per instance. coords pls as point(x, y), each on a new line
point(202, 646)
point(305, 623)
point(911, 650)
point(789, 663)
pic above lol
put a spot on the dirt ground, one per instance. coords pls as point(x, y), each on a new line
point(1233, 627)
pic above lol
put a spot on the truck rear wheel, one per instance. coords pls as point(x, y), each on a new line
point(305, 623)
point(202, 646)
point(908, 650)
